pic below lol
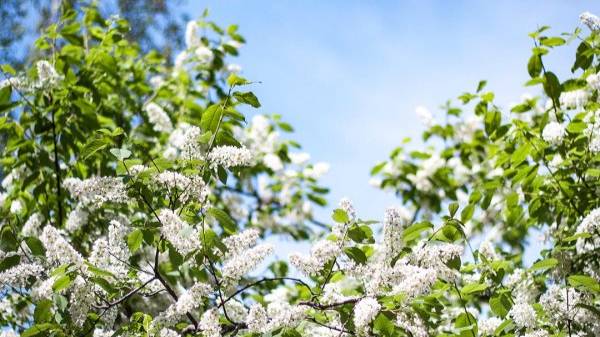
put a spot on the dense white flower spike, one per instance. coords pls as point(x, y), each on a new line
point(542, 333)
point(76, 218)
point(488, 326)
point(364, 313)
point(204, 54)
point(593, 81)
point(321, 253)
point(83, 298)
point(236, 311)
point(209, 323)
point(95, 191)
point(557, 305)
point(590, 225)
point(166, 332)
point(58, 250)
point(413, 324)
point(43, 289)
point(523, 315)
point(554, 133)
point(396, 219)
point(238, 243)
point(188, 301)
point(103, 333)
point(182, 236)
point(19, 275)
point(33, 225)
point(191, 34)
point(158, 118)
point(111, 253)
point(284, 315)
point(590, 20)
point(239, 265)
point(47, 75)
point(574, 99)
point(229, 156)
point(16, 207)
point(186, 189)
point(257, 319)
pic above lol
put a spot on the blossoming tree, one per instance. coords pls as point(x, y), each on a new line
point(136, 199)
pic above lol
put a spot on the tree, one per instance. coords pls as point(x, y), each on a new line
point(138, 197)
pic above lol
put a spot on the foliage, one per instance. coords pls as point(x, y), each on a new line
point(137, 198)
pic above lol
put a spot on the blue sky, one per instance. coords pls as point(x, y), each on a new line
point(349, 74)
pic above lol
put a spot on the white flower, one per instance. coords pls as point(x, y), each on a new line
point(182, 236)
point(257, 319)
point(236, 310)
point(317, 170)
point(425, 116)
point(364, 312)
point(590, 20)
point(593, 81)
point(591, 225)
point(321, 253)
point(488, 326)
point(238, 243)
point(43, 290)
point(180, 60)
point(396, 219)
point(273, 162)
point(209, 323)
point(554, 133)
point(16, 207)
point(299, 158)
point(47, 75)
point(18, 275)
point(165, 332)
point(234, 68)
point(158, 118)
point(97, 190)
point(187, 189)
point(33, 225)
point(188, 301)
point(239, 265)
point(58, 250)
point(574, 99)
point(542, 333)
point(523, 315)
point(191, 34)
point(229, 156)
point(156, 81)
point(111, 253)
point(82, 298)
point(555, 302)
point(556, 161)
point(76, 218)
point(204, 54)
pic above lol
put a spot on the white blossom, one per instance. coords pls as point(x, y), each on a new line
point(82, 298)
point(317, 170)
point(47, 75)
point(158, 118)
point(425, 116)
point(273, 162)
point(321, 253)
point(238, 243)
point(187, 302)
point(593, 81)
point(209, 323)
point(590, 20)
point(523, 314)
point(182, 236)
point(554, 133)
point(396, 219)
point(574, 99)
point(364, 313)
point(229, 156)
point(16, 206)
point(204, 54)
point(58, 249)
point(191, 34)
point(76, 218)
point(488, 326)
point(239, 265)
point(257, 319)
point(33, 225)
point(591, 225)
point(18, 275)
point(97, 190)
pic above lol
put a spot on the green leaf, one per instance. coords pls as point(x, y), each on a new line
point(224, 219)
point(235, 80)
point(340, 216)
point(520, 154)
point(534, 66)
point(383, 325)
point(42, 311)
point(134, 240)
point(584, 281)
point(61, 283)
point(552, 41)
point(414, 231)
point(500, 305)
point(473, 288)
point(35, 245)
point(356, 254)
point(94, 145)
point(544, 264)
point(247, 98)
point(210, 118)
point(452, 208)
point(552, 86)
point(37, 329)
point(467, 213)
point(120, 154)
